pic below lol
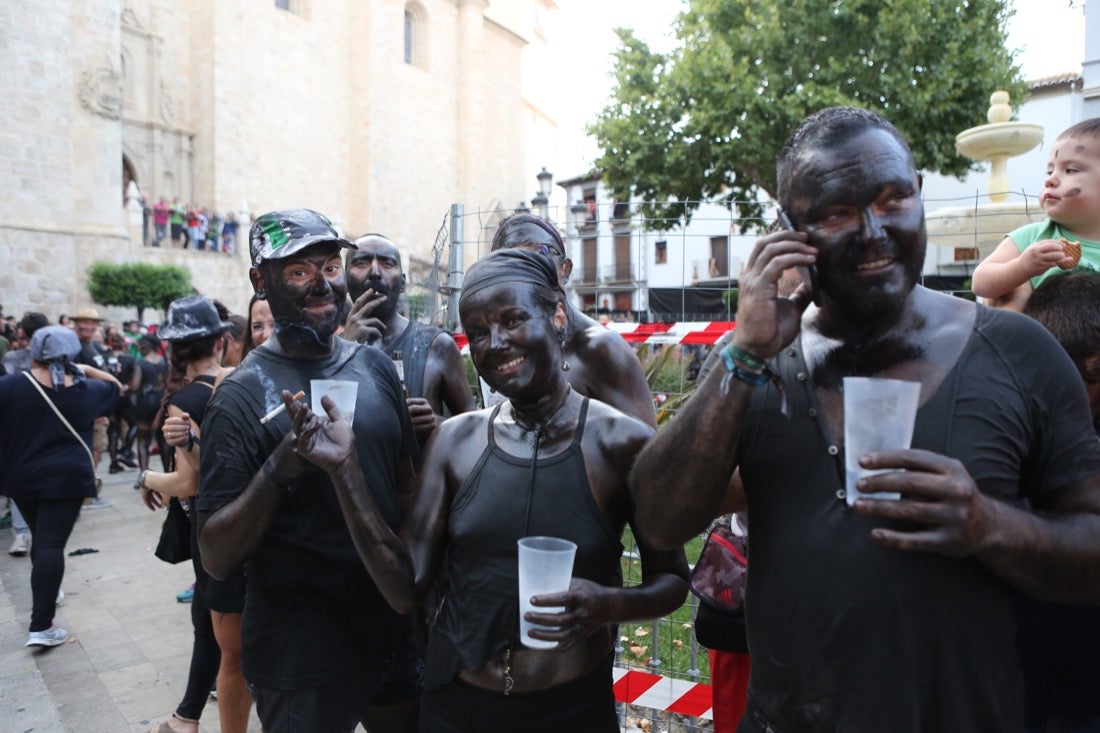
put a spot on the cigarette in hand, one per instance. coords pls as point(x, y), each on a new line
point(280, 409)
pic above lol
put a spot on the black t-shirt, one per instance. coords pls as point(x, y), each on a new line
point(848, 635)
point(312, 614)
point(39, 457)
point(123, 368)
point(92, 354)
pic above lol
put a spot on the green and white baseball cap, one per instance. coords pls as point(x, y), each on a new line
point(279, 234)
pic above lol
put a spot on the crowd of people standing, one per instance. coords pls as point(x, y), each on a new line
point(188, 226)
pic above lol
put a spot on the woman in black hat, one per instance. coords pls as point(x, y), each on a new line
point(194, 333)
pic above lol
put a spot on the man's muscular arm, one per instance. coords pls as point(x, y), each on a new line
point(445, 360)
point(1052, 554)
point(388, 559)
point(444, 384)
point(683, 476)
point(615, 375)
point(232, 534)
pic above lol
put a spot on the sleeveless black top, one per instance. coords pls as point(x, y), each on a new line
point(414, 343)
point(478, 616)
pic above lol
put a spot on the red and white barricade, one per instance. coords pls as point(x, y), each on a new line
point(638, 687)
point(681, 332)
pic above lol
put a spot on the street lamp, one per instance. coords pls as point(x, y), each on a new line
point(542, 198)
point(580, 215)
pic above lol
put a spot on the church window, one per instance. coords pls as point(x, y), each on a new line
point(416, 35)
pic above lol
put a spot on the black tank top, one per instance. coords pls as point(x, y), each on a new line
point(478, 615)
point(414, 343)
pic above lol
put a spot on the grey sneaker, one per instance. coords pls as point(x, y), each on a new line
point(98, 503)
point(50, 637)
point(21, 545)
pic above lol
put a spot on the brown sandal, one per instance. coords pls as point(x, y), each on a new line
point(166, 728)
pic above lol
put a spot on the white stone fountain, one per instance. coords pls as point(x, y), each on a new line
point(984, 225)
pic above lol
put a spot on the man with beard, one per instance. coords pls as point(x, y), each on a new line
point(433, 371)
point(316, 634)
point(891, 614)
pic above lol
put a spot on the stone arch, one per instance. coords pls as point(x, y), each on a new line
point(129, 173)
point(416, 35)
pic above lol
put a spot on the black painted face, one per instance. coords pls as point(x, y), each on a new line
point(376, 265)
point(859, 202)
point(515, 343)
point(305, 291)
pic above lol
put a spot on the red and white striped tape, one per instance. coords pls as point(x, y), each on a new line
point(681, 332)
point(657, 692)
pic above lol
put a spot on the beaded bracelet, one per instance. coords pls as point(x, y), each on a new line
point(751, 361)
point(751, 369)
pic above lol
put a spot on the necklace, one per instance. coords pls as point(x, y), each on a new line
point(538, 426)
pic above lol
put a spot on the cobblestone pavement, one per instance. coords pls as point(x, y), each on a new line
point(125, 669)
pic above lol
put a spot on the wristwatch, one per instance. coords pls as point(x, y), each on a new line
point(141, 479)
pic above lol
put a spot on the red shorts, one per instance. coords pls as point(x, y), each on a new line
point(729, 679)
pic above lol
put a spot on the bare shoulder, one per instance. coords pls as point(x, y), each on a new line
point(444, 343)
point(461, 427)
point(615, 428)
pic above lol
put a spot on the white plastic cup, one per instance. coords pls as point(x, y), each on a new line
point(343, 393)
point(545, 566)
point(878, 415)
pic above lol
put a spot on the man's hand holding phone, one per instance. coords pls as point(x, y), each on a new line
point(815, 290)
point(767, 321)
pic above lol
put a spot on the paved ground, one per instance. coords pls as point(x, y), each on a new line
point(125, 668)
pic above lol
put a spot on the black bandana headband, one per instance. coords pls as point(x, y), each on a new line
point(510, 266)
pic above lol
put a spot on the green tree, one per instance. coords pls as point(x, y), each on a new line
point(707, 120)
point(138, 285)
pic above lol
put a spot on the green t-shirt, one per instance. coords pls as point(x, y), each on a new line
point(175, 216)
point(1028, 234)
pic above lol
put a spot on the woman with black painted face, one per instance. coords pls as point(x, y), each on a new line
point(548, 461)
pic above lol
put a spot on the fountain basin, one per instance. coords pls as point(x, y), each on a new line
point(982, 226)
point(998, 139)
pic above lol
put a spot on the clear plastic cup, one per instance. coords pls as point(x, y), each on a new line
point(878, 415)
point(545, 566)
point(343, 393)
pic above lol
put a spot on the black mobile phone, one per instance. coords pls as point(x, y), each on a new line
point(815, 291)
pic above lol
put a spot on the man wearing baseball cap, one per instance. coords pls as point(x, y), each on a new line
point(317, 635)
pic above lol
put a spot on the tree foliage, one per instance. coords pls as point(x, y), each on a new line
point(707, 120)
point(138, 285)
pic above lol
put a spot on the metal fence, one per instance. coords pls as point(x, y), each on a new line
point(628, 267)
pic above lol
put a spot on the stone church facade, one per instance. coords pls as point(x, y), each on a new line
point(379, 113)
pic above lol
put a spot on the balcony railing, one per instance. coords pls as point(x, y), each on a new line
point(617, 273)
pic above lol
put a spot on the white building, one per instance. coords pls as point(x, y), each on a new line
point(378, 113)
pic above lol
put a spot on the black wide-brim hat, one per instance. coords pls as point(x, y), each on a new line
point(190, 318)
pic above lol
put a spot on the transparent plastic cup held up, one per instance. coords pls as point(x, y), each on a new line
point(545, 566)
point(878, 415)
point(342, 392)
